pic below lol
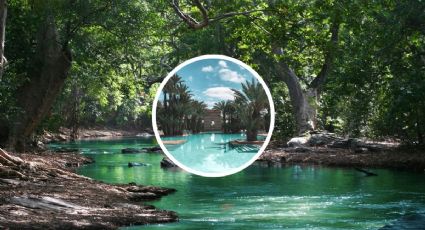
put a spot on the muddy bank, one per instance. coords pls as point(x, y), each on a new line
point(43, 192)
point(395, 158)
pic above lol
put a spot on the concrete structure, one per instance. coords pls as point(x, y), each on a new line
point(212, 120)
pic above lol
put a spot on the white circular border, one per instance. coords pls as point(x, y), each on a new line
point(255, 74)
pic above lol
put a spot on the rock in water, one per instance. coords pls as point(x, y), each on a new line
point(155, 149)
point(167, 163)
point(132, 164)
point(131, 150)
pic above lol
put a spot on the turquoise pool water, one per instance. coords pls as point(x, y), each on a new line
point(296, 197)
point(211, 152)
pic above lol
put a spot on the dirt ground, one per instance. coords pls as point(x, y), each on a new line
point(43, 192)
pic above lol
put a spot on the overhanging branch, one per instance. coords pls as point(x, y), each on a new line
point(206, 20)
point(329, 58)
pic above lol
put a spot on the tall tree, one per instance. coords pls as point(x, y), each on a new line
point(50, 67)
point(270, 12)
point(3, 16)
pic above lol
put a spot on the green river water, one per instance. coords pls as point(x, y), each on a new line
point(295, 197)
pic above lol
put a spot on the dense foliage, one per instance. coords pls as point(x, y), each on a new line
point(359, 65)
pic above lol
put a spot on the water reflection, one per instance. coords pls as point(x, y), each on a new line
point(211, 152)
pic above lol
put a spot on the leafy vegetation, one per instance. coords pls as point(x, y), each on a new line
point(352, 67)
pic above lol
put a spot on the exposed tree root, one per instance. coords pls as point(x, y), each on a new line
point(42, 192)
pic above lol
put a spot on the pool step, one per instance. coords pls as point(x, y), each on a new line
point(246, 148)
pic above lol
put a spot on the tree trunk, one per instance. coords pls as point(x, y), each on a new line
point(3, 15)
point(50, 67)
point(251, 135)
point(75, 111)
point(304, 113)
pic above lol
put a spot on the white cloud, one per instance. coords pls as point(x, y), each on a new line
point(207, 69)
point(223, 93)
point(229, 75)
point(222, 64)
point(190, 78)
point(210, 104)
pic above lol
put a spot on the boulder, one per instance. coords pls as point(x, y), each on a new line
point(351, 143)
point(342, 144)
point(297, 141)
point(320, 139)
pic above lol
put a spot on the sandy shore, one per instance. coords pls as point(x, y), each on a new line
point(43, 192)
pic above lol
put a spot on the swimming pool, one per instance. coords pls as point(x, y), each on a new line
point(211, 152)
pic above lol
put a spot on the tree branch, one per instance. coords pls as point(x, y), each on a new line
point(194, 24)
point(329, 57)
point(232, 14)
point(191, 22)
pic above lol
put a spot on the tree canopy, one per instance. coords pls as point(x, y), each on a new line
point(352, 67)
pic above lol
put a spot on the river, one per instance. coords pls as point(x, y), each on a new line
point(296, 197)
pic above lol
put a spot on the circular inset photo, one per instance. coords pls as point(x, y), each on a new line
point(213, 115)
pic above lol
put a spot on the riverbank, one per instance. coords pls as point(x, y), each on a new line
point(391, 158)
point(41, 191)
point(319, 148)
point(64, 134)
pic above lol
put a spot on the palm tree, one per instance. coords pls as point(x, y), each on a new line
point(223, 107)
point(250, 102)
point(175, 106)
point(197, 114)
point(178, 110)
point(233, 120)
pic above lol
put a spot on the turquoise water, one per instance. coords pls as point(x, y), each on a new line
point(211, 152)
point(296, 197)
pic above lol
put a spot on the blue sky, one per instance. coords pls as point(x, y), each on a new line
point(211, 80)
